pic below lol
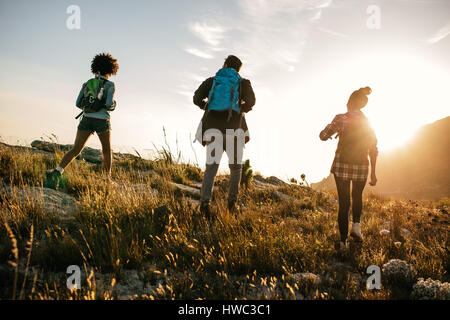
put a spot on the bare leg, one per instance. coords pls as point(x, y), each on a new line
point(80, 141)
point(105, 139)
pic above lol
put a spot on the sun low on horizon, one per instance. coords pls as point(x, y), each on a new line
point(406, 96)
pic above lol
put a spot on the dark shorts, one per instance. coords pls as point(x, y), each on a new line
point(94, 125)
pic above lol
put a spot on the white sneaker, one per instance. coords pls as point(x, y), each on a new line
point(342, 245)
point(355, 233)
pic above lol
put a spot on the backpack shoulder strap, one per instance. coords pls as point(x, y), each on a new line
point(211, 94)
point(232, 92)
point(102, 80)
point(240, 95)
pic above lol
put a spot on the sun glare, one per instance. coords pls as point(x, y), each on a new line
point(406, 95)
point(392, 134)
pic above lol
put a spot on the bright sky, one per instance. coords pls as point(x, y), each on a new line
point(303, 57)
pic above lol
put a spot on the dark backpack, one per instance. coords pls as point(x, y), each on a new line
point(94, 96)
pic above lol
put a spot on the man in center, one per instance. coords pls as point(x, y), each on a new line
point(226, 97)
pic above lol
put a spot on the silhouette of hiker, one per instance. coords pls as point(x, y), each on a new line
point(225, 98)
point(357, 142)
point(96, 99)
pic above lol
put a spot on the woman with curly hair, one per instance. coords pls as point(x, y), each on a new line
point(357, 143)
point(96, 99)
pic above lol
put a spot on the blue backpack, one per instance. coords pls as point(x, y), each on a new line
point(224, 94)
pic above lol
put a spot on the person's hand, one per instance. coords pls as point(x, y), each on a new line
point(373, 180)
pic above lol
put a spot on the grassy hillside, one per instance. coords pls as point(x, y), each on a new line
point(417, 170)
point(144, 238)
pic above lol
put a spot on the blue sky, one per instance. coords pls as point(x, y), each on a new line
point(304, 58)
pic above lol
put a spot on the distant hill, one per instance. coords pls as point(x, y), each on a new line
point(417, 170)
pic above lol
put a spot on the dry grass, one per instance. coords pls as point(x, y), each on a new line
point(178, 254)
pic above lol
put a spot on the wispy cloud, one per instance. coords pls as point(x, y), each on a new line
point(209, 32)
point(332, 32)
point(185, 93)
point(264, 8)
point(265, 34)
point(317, 15)
point(199, 53)
point(189, 83)
point(440, 34)
point(196, 77)
point(276, 32)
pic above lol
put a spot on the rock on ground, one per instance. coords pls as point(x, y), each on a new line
point(88, 154)
point(273, 181)
point(187, 190)
point(60, 203)
point(302, 276)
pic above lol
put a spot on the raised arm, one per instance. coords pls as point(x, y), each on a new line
point(330, 129)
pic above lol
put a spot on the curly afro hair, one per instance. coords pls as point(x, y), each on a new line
point(104, 64)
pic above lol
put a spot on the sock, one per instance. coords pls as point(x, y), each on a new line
point(60, 169)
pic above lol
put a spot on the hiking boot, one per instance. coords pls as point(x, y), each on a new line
point(233, 207)
point(355, 233)
point(52, 178)
point(205, 210)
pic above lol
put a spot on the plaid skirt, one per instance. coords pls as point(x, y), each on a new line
point(353, 172)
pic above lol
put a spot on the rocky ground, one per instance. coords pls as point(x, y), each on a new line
point(281, 205)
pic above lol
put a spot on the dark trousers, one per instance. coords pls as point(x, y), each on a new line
point(234, 153)
point(343, 188)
